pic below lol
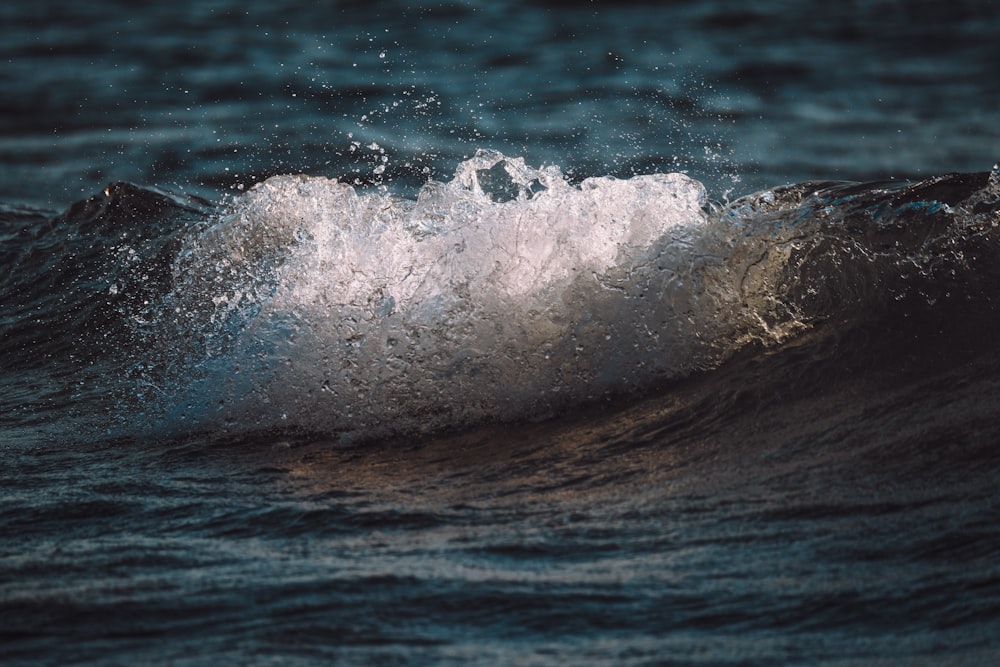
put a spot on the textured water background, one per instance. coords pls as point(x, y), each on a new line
point(762, 515)
point(790, 510)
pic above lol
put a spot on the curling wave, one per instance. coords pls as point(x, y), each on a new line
point(507, 293)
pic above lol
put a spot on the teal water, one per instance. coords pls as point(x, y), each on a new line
point(751, 433)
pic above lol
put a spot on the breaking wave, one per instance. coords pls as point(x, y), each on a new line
point(507, 293)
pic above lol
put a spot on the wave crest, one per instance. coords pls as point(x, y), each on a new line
point(504, 293)
point(508, 292)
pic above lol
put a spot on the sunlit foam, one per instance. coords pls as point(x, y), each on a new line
point(505, 293)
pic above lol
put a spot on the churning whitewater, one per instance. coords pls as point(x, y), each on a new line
point(504, 293)
point(509, 293)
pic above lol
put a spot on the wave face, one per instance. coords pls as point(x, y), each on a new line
point(507, 293)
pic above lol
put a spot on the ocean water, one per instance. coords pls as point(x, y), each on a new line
point(499, 333)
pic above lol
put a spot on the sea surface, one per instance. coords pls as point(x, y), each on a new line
point(499, 333)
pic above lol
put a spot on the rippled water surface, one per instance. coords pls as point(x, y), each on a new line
point(209, 96)
point(488, 333)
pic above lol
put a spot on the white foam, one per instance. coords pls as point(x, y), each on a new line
point(502, 294)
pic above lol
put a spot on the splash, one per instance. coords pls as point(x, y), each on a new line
point(502, 294)
point(509, 293)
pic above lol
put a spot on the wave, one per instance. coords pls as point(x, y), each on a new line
point(508, 293)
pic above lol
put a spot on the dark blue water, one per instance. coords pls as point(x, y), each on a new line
point(500, 333)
